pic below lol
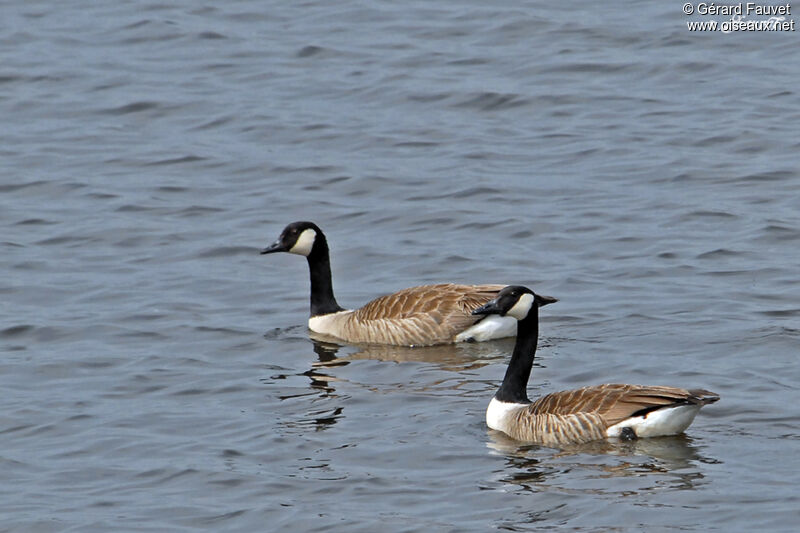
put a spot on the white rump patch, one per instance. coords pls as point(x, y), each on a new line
point(304, 243)
point(491, 327)
point(497, 412)
point(659, 423)
point(522, 307)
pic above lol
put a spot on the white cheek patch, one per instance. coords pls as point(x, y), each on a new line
point(304, 243)
point(522, 307)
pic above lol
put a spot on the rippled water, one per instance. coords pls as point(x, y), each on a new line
point(157, 373)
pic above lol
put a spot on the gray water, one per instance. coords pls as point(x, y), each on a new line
point(157, 374)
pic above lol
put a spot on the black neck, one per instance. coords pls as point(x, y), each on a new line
point(319, 266)
point(519, 368)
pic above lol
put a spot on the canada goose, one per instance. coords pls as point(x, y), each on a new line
point(580, 415)
point(422, 316)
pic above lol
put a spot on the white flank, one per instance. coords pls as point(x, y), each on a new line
point(327, 324)
point(497, 412)
point(522, 307)
point(659, 423)
point(491, 327)
point(304, 243)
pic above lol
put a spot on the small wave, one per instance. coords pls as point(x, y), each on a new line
point(777, 233)
point(708, 214)
point(775, 175)
point(35, 222)
point(492, 101)
point(211, 35)
point(135, 107)
point(317, 169)
point(15, 331)
point(779, 313)
point(715, 140)
point(310, 50)
point(228, 251)
point(198, 210)
point(719, 252)
point(11, 187)
point(64, 239)
point(176, 160)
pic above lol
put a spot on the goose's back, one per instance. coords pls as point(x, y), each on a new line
point(423, 315)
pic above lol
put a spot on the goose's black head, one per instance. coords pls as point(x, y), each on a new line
point(515, 301)
point(296, 238)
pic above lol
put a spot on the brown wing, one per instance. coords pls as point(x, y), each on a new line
point(428, 314)
point(443, 298)
point(615, 402)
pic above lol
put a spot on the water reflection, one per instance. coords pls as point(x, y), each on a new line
point(318, 411)
point(326, 354)
point(323, 381)
point(663, 462)
point(454, 357)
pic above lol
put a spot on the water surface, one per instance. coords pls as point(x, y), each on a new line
point(157, 374)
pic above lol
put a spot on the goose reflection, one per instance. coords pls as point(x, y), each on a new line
point(453, 357)
point(323, 404)
point(326, 354)
point(660, 462)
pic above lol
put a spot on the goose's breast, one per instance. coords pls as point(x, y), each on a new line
point(491, 327)
point(330, 324)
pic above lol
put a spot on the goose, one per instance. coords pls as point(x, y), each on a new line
point(418, 316)
point(582, 415)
